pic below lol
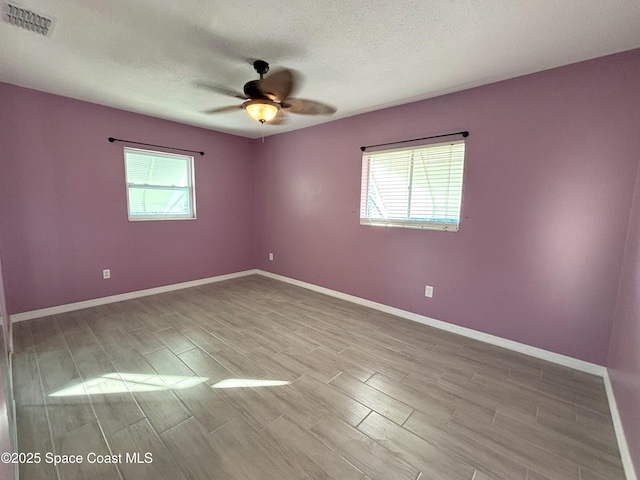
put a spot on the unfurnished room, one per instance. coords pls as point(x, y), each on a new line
point(320, 240)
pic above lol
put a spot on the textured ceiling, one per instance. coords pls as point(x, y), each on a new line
point(147, 55)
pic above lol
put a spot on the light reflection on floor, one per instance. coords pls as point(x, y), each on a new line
point(248, 382)
point(111, 383)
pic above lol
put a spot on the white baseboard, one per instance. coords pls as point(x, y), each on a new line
point(625, 455)
point(564, 360)
point(69, 307)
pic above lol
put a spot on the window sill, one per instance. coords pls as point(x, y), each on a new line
point(156, 219)
point(416, 226)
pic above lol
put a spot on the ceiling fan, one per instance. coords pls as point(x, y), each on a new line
point(267, 99)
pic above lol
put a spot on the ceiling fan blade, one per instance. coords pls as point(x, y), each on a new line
point(307, 107)
point(214, 87)
point(223, 109)
point(279, 85)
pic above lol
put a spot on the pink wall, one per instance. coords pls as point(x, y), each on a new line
point(550, 168)
point(624, 353)
point(63, 203)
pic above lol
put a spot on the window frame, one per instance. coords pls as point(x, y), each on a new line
point(191, 188)
point(406, 222)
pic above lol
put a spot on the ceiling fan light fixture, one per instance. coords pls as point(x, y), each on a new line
point(262, 110)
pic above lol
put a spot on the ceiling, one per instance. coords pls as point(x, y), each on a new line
point(147, 56)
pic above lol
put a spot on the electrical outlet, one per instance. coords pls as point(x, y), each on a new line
point(428, 291)
point(106, 273)
point(271, 256)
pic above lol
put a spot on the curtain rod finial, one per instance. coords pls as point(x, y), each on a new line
point(111, 139)
point(465, 134)
point(363, 148)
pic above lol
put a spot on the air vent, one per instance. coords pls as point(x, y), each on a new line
point(21, 17)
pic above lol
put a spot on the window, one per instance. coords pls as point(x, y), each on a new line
point(159, 185)
point(417, 187)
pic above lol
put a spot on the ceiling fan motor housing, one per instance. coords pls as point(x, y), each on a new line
point(252, 89)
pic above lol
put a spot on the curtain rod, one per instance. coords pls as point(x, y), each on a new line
point(111, 139)
point(464, 134)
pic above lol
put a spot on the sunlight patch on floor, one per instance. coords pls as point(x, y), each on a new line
point(111, 383)
point(248, 382)
point(125, 382)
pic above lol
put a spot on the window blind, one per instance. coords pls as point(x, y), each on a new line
point(416, 187)
point(159, 185)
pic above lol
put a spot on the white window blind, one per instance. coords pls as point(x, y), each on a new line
point(159, 185)
point(416, 187)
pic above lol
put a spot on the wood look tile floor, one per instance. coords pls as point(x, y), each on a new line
point(257, 379)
